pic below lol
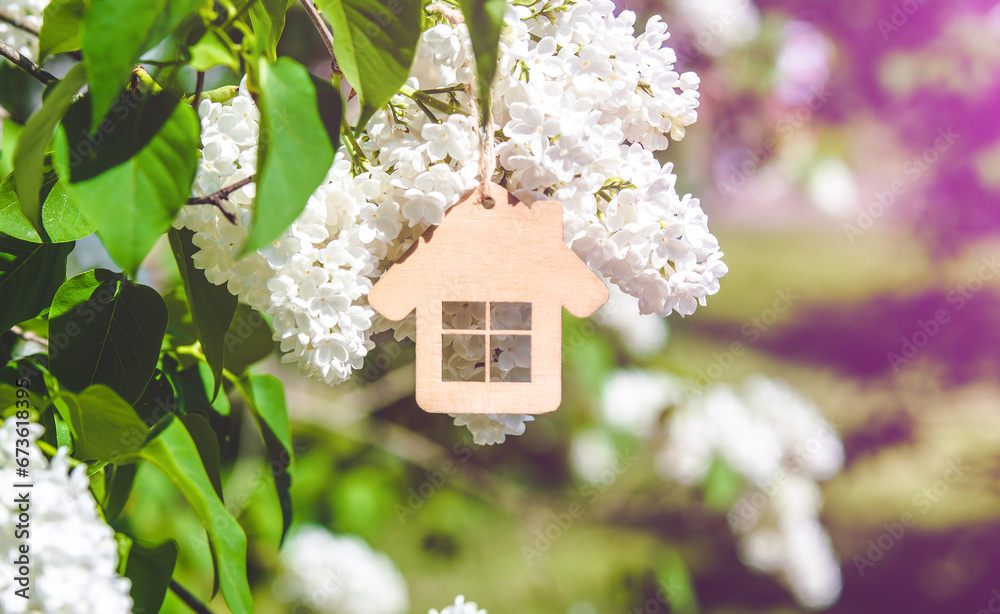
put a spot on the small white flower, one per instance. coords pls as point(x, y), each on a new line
point(461, 606)
point(488, 429)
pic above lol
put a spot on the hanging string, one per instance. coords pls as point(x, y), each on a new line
point(487, 141)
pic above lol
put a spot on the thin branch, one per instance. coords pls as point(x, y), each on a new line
point(25, 64)
point(189, 600)
point(217, 198)
point(17, 22)
point(198, 87)
point(322, 28)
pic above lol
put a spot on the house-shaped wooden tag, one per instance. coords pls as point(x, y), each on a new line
point(489, 286)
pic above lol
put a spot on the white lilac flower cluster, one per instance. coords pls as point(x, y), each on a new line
point(461, 606)
point(781, 445)
point(28, 12)
point(338, 574)
point(581, 102)
point(74, 555)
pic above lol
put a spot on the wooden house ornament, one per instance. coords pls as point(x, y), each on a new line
point(504, 274)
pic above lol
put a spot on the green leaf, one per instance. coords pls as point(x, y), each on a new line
point(115, 32)
point(61, 216)
point(675, 582)
point(175, 453)
point(214, 49)
point(249, 340)
point(103, 425)
point(136, 178)
point(30, 274)
point(118, 480)
point(212, 306)
point(291, 161)
point(61, 31)
point(485, 21)
point(8, 140)
point(723, 486)
point(375, 42)
point(268, 20)
point(157, 400)
point(29, 155)
point(266, 398)
point(150, 569)
point(208, 448)
point(105, 330)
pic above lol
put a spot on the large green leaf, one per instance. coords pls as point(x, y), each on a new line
point(8, 140)
point(268, 20)
point(30, 274)
point(105, 330)
point(208, 448)
point(266, 398)
point(291, 160)
point(249, 339)
point(103, 425)
point(149, 568)
point(61, 216)
point(61, 27)
point(157, 401)
point(375, 42)
point(485, 21)
point(118, 480)
point(176, 454)
point(214, 49)
point(115, 32)
point(136, 178)
point(212, 306)
point(29, 155)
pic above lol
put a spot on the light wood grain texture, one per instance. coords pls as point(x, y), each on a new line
point(512, 252)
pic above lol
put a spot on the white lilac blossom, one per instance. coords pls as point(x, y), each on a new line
point(338, 574)
point(30, 13)
point(74, 555)
point(780, 444)
point(461, 606)
point(488, 429)
point(581, 102)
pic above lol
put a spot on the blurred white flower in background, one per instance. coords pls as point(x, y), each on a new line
point(632, 400)
point(461, 606)
point(719, 25)
point(338, 574)
point(74, 555)
point(29, 12)
point(803, 64)
point(642, 334)
point(592, 454)
point(833, 187)
point(780, 444)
